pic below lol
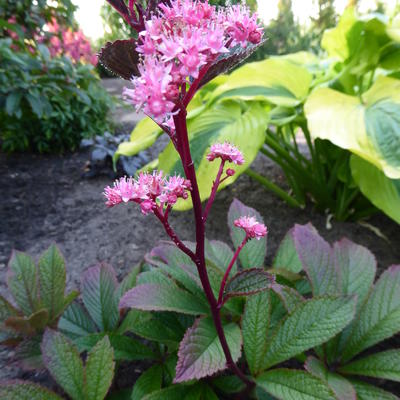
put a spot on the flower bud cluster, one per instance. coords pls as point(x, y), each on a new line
point(252, 228)
point(226, 152)
point(149, 190)
point(177, 43)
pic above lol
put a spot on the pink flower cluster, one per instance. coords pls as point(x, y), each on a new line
point(149, 190)
point(252, 228)
point(177, 43)
point(226, 152)
point(73, 44)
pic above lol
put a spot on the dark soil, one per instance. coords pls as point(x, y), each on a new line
point(44, 199)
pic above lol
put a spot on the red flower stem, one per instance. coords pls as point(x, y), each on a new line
point(199, 259)
point(213, 191)
point(171, 233)
point(228, 270)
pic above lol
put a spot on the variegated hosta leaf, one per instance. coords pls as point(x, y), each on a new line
point(312, 323)
point(384, 365)
point(228, 121)
point(154, 297)
point(22, 281)
point(98, 294)
point(278, 81)
point(99, 370)
point(52, 277)
point(379, 318)
point(342, 388)
point(254, 251)
point(248, 282)
point(150, 381)
point(316, 257)
point(63, 362)
point(369, 129)
point(286, 384)
point(255, 324)
point(366, 391)
point(24, 390)
point(384, 193)
point(200, 351)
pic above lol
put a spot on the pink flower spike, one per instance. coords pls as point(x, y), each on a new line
point(226, 152)
point(252, 228)
point(112, 195)
point(125, 187)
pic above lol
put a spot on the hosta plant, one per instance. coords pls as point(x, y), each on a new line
point(39, 299)
point(87, 321)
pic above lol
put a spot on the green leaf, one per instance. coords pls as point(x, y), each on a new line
point(220, 254)
point(254, 251)
point(28, 353)
point(312, 323)
point(366, 391)
point(148, 382)
point(35, 103)
point(6, 309)
point(52, 277)
point(154, 276)
point(200, 391)
point(248, 282)
point(162, 298)
point(394, 29)
point(286, 257)
point(64, 364)
point(125, 347)
point(342, 388)
point(369, 129)
point(22, 281)
point(225, 122)
point(255, 324)
point(286, 384)
point(13, 101)
point(384, 365)
point(379, 318)
point(277, 80)
point(75, 322)
point(289, 297)
point(129, 281)
point(99, 370)
point(200, 351)
point(228, 384)
point(171, 393)
point(143, 136)
point(384, 193)
point(98, 294)
point(23, 390)
point(39, 319)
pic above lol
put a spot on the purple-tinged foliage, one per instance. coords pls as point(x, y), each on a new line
point(24, 390)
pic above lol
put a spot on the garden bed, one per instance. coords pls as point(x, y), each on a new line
point(45, 200)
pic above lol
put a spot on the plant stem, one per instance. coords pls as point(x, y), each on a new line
point(199, 259)
point(213, 191)
point(274, 188)
point(228, 270)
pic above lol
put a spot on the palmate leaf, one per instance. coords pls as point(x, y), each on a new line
point(98, 294)
point(23, 390)
point(200, 351)
point(99, 370)
point(316, 257)
point(384, 365)
point(248, 282)
point(312, 323)
point(62, 360)
point(148, 382)
point(22, 282)
point(255, 324)
point(379, 318)
point(366, 391)
point(154, 297)
point(286, 384)
point(228, 121)
point(342, 388)
point(254, 251)
point(52, 278)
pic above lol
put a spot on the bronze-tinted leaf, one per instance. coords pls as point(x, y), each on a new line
point(121, 58)
point(228, 61)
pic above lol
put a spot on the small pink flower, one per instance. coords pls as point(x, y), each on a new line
point(126, 189)
point(252, 228)
point(113, 196)
point(226, 152)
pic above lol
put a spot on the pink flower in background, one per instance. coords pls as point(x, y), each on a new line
point(226, 152)
point(252, 228)
point(177, 43)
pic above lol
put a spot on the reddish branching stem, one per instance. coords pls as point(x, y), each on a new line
point(214, 189)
